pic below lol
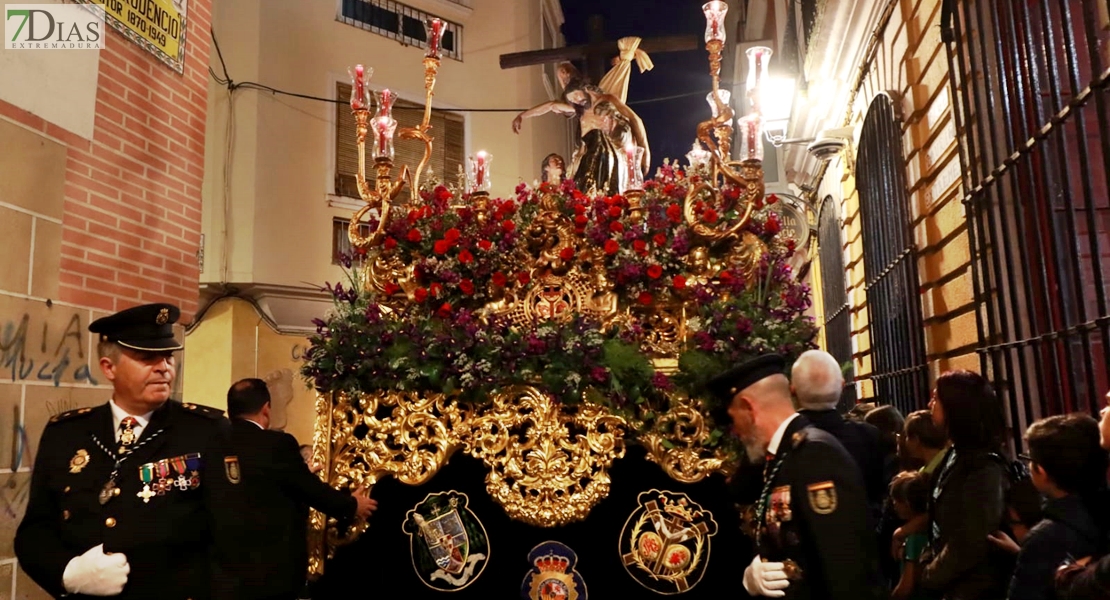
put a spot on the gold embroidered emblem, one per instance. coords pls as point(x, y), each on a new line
point(79, 460)
point(822, 497)
point(665, 543)
point(163, 316)
point(231, 467)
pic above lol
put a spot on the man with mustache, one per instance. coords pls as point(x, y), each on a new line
point(137, 497)
point(813, 538)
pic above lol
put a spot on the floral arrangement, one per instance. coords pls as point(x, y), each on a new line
point(434, 332)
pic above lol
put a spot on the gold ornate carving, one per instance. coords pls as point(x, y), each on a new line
point(548, 462)
point(677, 444)
point(362, 438)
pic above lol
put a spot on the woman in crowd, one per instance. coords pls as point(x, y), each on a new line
point(967, 493)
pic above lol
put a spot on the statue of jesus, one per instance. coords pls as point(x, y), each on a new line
point(607, 124)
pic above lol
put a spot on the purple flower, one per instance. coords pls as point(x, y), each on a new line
point(599, 374)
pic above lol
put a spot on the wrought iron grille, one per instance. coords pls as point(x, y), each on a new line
point(1032, 106)
point(834, 295)
point(400, 22)
point(898, 367)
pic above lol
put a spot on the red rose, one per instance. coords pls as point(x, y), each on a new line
point(614, 211)
point(791, 246)
point(467, 286)
point(674, 213)
point(523, 277)
point(611, 247)
point(508, 226)
point(435, 289)
point(645, 298)
point(579, 209)
point(655, 271)
point(725, 277)
point(441, 247)
point(566, 253)
point(390, 243)
point(580, 220)
point(771, 199)
point(499, 279)
point(679, 282)
point(391, 288)
point(451, 235)
point(509, 207)
point(640, 246)
point(444, 310)
point(772, 226)
point(414, 236)
point(442, 194)
point(465, 213)
point(659, 239)
point(466, 257)
point(616, 227)
point(709, 216)
point(485, 244)
point(420, 294)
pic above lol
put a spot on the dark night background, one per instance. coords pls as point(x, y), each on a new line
point(671, 124)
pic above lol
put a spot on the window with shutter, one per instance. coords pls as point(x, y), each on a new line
point(447, 149)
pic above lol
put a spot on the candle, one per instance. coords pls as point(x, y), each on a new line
point(630, 153)
point(433, 31)
point(758, 58)
point(360, 97)
point(481, 176)
point(715, 20)
point(477, 172)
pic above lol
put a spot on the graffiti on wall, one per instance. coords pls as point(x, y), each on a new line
point(34, 351)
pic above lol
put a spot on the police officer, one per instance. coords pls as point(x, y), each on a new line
point(813, 538)
point(135, 497)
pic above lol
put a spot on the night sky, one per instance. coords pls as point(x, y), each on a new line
point(671, 124)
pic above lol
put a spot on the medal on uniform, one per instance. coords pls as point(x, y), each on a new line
point(164, 483)
point(107, 492)
point(180, 467)
point(146, 474)
point(192, 462)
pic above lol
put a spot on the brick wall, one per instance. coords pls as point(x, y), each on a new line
point(87, 227)
point(910, 62)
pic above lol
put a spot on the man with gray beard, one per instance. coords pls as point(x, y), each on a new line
point(813, 539)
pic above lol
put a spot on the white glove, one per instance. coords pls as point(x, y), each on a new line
point(765, 578)
point(96, 574)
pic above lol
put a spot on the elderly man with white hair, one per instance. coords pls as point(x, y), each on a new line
point(817, 383)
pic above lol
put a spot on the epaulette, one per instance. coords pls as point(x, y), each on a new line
point(200, 409)
point(797, 439)
point(69, 414)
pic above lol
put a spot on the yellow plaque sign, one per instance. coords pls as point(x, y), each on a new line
point(156, 25)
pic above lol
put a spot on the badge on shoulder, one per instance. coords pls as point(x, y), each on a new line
point(231, 467)
point(822, 497)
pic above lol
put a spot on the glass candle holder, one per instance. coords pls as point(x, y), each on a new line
point(749, 129)
point(698, 157)
point(634, 177)
point(433, 32)
point(360, 93)
point(758, 59)
point(715, 20)
point(383, 129)
point(725, 97)
point(477, 172)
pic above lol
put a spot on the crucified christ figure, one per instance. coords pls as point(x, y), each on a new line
point(607, 124)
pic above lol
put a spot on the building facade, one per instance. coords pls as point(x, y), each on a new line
point(963, 224)
point(101, 170)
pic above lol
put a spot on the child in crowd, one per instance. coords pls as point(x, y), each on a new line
point(909, 494)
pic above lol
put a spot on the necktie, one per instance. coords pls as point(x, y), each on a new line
point(127, 434)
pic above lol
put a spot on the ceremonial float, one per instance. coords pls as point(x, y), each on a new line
point(521, 380)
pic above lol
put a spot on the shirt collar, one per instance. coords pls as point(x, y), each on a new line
point(118, 414)
point(773, 447)
point(256, 424)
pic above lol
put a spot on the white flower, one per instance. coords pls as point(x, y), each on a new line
point(693, 324)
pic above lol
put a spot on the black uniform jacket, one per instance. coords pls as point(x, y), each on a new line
point(280, 488)
point(817, 517)
point(179, 542)
point(862, 441)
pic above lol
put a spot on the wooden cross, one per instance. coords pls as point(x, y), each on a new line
point(598, 51)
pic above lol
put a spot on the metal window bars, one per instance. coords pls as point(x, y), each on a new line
point(898, 366)
point(1030, 87)
point(834, 294)
point(400, 22)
